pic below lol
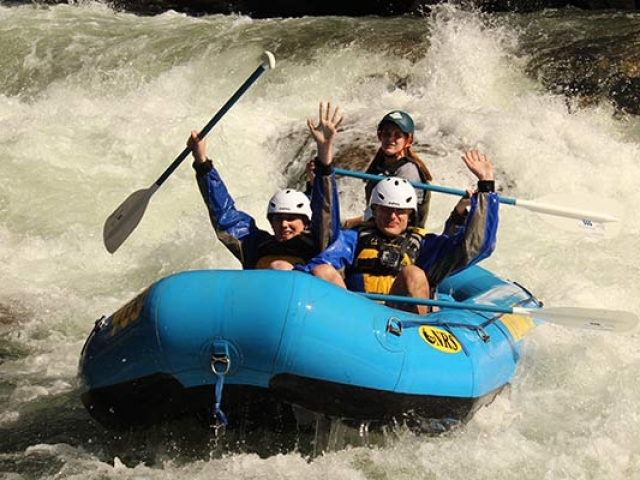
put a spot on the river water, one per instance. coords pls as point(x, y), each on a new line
point(95, 104)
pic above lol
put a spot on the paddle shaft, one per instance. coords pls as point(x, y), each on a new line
point(526, 204)
point(588, 318)
point(212, 123)
point(126, 217)
point(438, 303)
point(423, 186)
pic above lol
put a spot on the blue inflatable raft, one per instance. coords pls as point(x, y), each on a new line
point(253, 344)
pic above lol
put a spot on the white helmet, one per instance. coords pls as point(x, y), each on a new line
point(290, 201)
point(394, 192)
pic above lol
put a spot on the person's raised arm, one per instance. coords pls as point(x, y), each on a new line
point(325, 204)
point(232, 226)
point(325, 130)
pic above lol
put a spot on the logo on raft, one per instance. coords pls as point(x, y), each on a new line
point(128, 314)
point(440, 339)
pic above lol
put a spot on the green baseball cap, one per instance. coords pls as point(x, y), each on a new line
point(399, 118)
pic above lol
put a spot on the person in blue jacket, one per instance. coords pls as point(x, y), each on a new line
point(388, 255)
point(301, 227)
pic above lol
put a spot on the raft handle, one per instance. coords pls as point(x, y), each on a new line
point(394, 326)
point(100, 322)
point(484, 336)
point(224, 361)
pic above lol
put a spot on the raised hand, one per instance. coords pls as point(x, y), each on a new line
point(479, 164)
point(324, 132)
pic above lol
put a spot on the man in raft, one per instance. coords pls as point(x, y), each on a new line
point(388, 256)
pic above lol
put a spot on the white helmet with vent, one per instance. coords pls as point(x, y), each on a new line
point(290, 201)
point(394, 192)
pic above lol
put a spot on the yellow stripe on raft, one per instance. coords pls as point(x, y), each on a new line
point(517, 325)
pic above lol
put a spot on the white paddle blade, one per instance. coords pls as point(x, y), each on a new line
point(584, 227)
point(601, 210)
point(125, 218)
point(586, 318)
point(595, 223)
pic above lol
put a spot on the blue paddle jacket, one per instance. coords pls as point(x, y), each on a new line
point(256, 248)
point(439, 255)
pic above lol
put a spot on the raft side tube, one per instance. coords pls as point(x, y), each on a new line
point(478, 351)
point(121, 347)
point(339, 336)
point(202, 314)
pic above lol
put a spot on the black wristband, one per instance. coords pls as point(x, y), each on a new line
point(321, 168)
point(485, 186)
point(202, 168)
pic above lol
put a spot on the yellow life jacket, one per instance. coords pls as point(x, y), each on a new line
point(379, 259)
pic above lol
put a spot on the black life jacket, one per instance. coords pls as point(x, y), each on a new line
point(299, 249)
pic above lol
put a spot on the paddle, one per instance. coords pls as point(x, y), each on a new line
point(587, 318)
point(126, 217)
point(581, 220)
point(582, 225)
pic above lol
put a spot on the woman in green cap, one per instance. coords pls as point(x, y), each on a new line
point(396, 158)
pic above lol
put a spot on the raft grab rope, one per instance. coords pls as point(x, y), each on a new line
point(220, 365)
